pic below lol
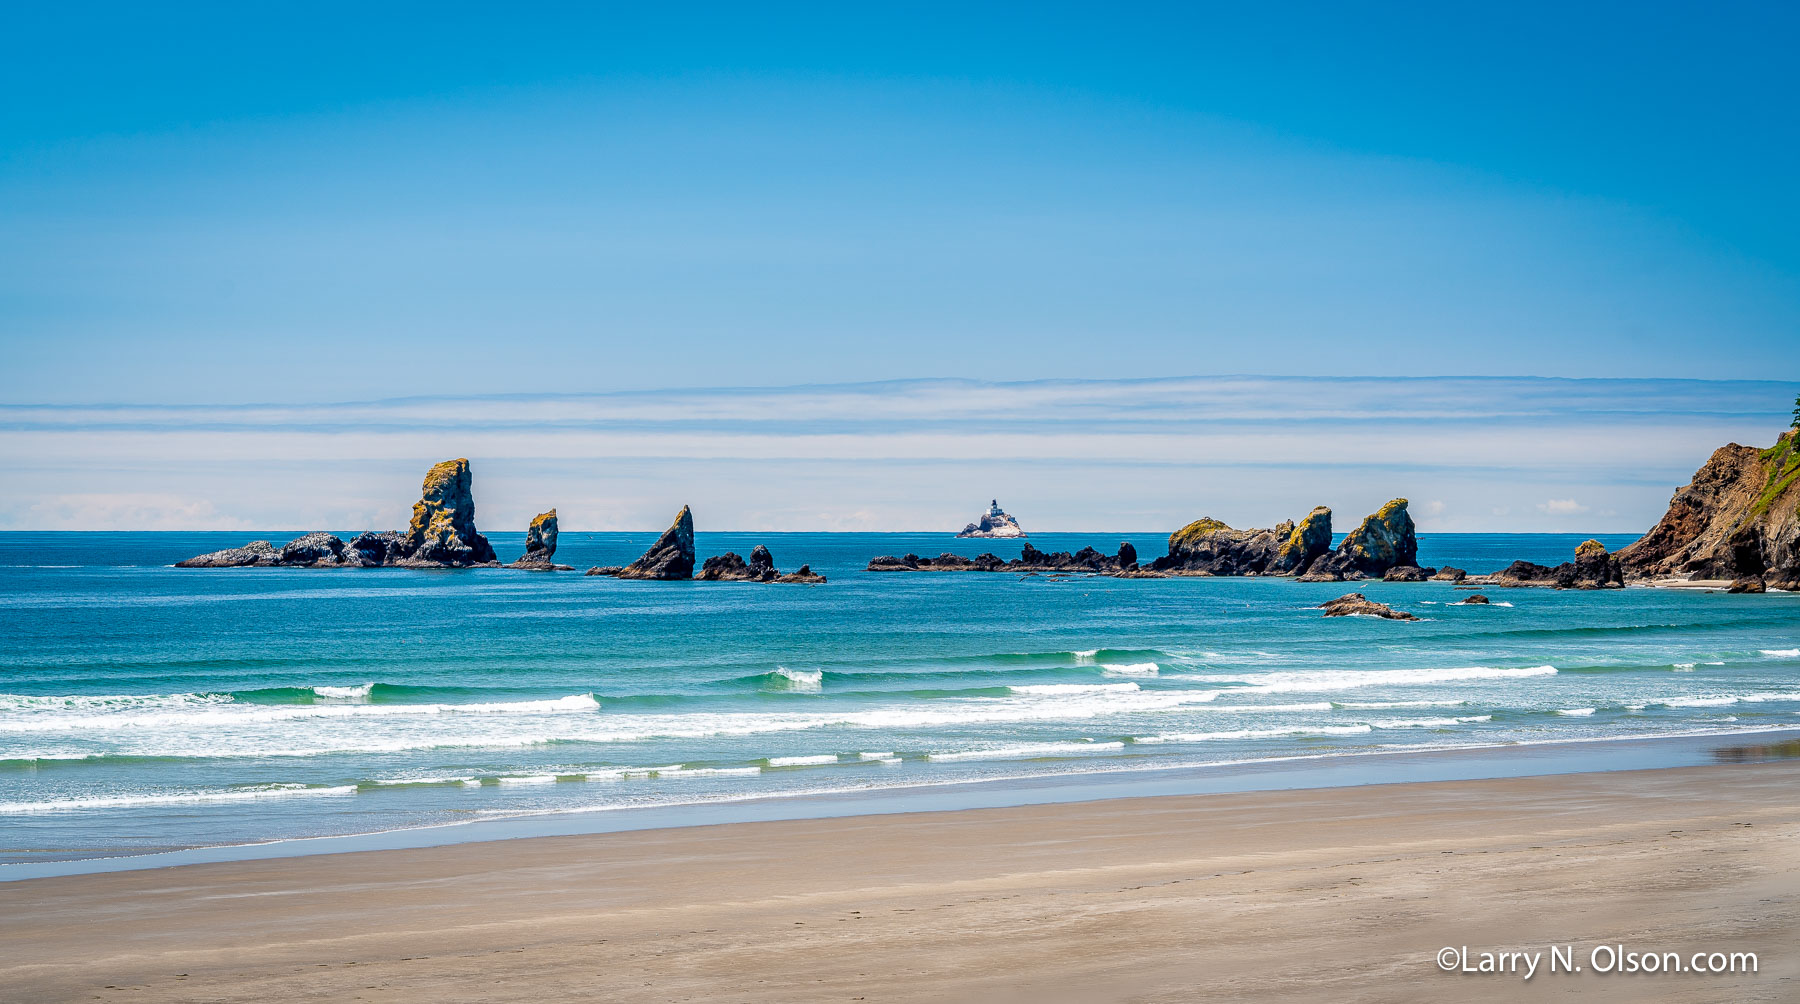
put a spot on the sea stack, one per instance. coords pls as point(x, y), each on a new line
point(442, 532)
point(442, 535)
point(1385, 540)
point(540, 545)
point(1209, 547)
point(994, 523)
point(671, 557)
point(1738, 519)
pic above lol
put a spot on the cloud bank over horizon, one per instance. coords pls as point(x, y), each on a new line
point(1472, 453)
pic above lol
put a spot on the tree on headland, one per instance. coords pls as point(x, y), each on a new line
point(1797, 411)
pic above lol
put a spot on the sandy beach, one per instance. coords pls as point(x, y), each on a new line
point(1331, 894)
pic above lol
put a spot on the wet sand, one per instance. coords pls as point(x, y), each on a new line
point(1341, 894)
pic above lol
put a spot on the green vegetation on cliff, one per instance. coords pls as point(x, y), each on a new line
point(1783, 460)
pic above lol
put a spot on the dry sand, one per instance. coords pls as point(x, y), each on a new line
point(1338, 894)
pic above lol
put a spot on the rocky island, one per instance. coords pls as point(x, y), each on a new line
point(442, 534)
point(540, 545)
point(994, 523)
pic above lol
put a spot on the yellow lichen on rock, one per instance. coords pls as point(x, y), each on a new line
point(1189, 535)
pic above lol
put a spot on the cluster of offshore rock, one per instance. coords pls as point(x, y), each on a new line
point(442, 534)
point(1030, 560)
point(672, 558)
point(1383, 546)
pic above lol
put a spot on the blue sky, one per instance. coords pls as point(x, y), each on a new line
point(223, 205)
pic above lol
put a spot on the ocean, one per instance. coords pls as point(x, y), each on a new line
point(145, 708)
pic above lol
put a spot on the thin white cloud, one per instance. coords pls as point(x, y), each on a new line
point(1474, 454)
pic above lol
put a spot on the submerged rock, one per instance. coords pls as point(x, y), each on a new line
point(994, 523)
point(254, 554)
point(671, 557)
point(540, 545)
point(442, 533)
point(1356, 604)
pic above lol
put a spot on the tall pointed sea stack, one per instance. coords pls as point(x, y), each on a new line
point(540, 544)
point(443, 531)
point(671, 557)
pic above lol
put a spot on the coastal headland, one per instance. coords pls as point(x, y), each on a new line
point(1343, 894)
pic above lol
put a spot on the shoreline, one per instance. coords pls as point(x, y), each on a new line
point(1329, 894)
point(1297, 772)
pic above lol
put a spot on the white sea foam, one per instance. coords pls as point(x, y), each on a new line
point(1379, 705)
point(1129, 669)
point(344, 692)
point(1432, 723)
point(1085, 656)
point(176, 798)
point(1779, 653)
point(1256, 708)
point(709, 772)
point(1311, 730)
point(1770, 697)
point(1073, 688)
point(800, 679)
point(1576, 712)
point(1697, 702)
point(1309, 681)
point(877, 756)
point(1025, 751)
point(528, 779)
point(107, 702)
point(213, 714)
point(385, 781)
point(802, 761)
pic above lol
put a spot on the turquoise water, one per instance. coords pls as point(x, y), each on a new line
point(145, 708)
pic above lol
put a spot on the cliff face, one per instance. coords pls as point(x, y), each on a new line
point(1738, 519)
